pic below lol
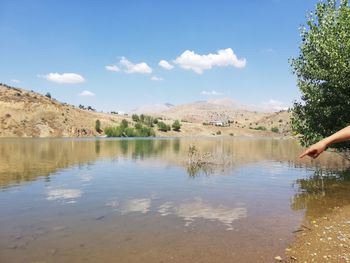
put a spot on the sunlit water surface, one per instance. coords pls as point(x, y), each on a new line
point(69, 200)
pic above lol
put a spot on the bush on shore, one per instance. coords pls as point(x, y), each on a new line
point(123, 130)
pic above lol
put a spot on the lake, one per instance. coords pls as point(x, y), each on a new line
point(160, 200)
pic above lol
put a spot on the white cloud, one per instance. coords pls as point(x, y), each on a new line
point(64, 78)
point(198, 63)
point(129, 67)
point(274, 105)
point(165, 64)
point(211, 93)
point(268, 50)
point(15, 81)
point(87, 93)
point(155, 78)
point(113, 68)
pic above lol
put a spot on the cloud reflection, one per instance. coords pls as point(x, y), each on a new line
point(188, 211)
point(196, 209)
point(63, 194)
point(136, 205)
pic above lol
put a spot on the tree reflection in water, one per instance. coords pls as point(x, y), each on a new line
point(324, 190)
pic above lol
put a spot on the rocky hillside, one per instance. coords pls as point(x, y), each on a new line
point(227, 110)
point(29, 114)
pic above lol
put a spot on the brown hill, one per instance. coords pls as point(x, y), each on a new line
point(229, 111)
point(30, 114)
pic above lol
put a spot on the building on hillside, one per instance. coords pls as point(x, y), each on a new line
point(220, 123)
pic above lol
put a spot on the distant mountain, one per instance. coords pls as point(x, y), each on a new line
point(152, 108)
point(206, 111)
point(226, 110)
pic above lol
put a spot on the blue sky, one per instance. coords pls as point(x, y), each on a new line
point(216, 49)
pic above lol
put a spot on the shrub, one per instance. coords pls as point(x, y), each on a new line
point(176, 125)
point(138, 126)
point(135, 118)
point(129, 132)
point(98, 126)
point(260, 128)
point(124, 124)
point(162, 126)
point(123, 130)
point(142, 118)
point(275, 129)
point(113, 132)
point(48, 95)
point(148, 120)
point(144, 131)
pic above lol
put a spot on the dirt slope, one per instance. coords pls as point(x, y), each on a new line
point(30, 114)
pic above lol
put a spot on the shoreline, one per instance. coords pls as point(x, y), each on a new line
point(322, 239)
point(280, 137)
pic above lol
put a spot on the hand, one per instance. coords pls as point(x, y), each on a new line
point(314, 150)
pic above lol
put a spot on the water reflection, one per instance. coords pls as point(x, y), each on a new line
point(142, 205)
point(24, 160)
point(68, 195)
point(137, 201)
point(322, 191)
point(198, 209)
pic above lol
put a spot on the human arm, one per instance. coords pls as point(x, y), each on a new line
point(316, 149)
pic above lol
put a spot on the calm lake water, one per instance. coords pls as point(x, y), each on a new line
point(88, 200)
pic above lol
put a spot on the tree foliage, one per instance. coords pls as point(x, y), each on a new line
point(135, 118)
point(323, 69)
point(123, 130)
point(163, 127)
point(98, 126)
point(176, 125)
point(275, 129)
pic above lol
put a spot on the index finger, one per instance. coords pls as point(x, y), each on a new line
point(306, 152)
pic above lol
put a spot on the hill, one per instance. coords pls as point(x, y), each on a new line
point(29, 114)
point(228, 111)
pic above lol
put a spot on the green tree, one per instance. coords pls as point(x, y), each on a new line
point(323, 69)
point(148, 120)
point(176, 125)
point(48, 95)
point(123, 130)
point(135, 118)
point(124, 124)
point(142, 117)
point(113, 131)
point(98, 126)
point(162, 126)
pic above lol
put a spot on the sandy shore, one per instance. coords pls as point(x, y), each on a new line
point(325, 239)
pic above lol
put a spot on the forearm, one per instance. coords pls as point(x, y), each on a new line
point(340, 136)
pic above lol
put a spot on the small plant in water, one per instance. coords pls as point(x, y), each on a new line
point(206, 162)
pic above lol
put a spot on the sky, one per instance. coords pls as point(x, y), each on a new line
point(119, 55)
